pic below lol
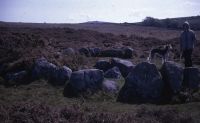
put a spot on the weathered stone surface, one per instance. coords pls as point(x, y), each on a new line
point(124, 66)
point(143, 85)
point(192, 77)
point(172, 74)
point(113, 73)
point(83, 81)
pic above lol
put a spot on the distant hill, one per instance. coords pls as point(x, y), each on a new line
point(173, 23)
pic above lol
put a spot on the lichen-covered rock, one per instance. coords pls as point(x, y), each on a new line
point(143, 85)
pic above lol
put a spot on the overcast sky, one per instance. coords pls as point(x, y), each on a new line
point(75, 11)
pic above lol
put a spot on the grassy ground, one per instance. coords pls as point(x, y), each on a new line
point(42, 97)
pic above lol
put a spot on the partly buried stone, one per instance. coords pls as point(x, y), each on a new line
point(143, 85)
point(192, 77)
point(83, 81)
point(124, 66)
point(103, 65)
point(172, 74)
point(110, 86)
point(17, 78)
point(60, 76)
point(113, 73)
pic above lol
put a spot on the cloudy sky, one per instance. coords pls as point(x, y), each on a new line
point(75, 11)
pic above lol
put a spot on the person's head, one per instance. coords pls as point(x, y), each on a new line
point(186, 26)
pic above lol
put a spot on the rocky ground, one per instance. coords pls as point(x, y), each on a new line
point(41, 67)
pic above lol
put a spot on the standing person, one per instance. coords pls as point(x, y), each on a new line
point(187, 43)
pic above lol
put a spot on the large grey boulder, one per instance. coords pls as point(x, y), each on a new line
point(110, 86)
point(192, 77)
point(113, 73)
point(172, 74)
point(143, 85)
point(124, 66)
point(82, 81)
point(103, 65)
point(60, 76)
point(17, 78)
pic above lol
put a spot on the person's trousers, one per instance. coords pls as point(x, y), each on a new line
point(187, 54)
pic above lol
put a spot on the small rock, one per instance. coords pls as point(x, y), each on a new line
point(113, 73)
point(103, 65)
point(128, 52)
point(69, 51)
point(124, 66)
point(110, 86)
